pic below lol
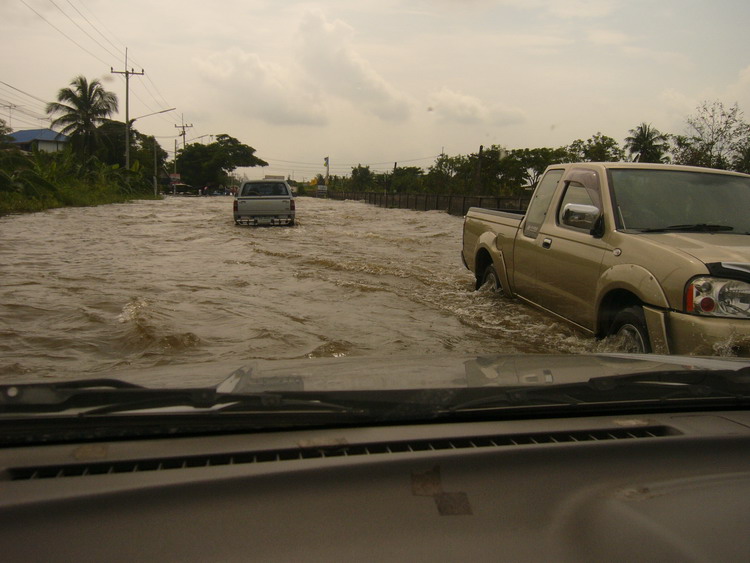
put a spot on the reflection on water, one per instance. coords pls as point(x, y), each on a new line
point(89, 291)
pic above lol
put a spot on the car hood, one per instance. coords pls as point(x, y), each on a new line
point(708, 247)
point(416, 372)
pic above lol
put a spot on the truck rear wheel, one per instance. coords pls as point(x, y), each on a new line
point(490, 279)
point(629, 329)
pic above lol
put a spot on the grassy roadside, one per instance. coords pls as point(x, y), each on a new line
point(84, 196)
point(35, 182)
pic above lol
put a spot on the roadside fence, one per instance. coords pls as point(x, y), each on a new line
point(453, 204)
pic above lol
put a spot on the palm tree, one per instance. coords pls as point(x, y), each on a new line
point(82, 108)
point(647, 143)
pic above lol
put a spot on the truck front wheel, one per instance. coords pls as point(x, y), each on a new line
point(489, 278)
point(630, 332)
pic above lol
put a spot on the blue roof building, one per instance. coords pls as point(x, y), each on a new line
point(45, 140)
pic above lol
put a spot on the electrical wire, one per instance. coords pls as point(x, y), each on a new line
point(81, 28)
point(122, 52)
point(61, 32)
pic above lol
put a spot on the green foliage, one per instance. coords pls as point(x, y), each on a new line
point(81, 108)
point(111, 147)
point(598, 148)
point(362, 179)
point(47, 180)
point(716, 137)
point(647, 144)
point(405, 179)
point(742, 158)
point(4, 132)
point(202, 165)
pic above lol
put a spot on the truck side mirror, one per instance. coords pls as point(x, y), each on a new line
point(580, 216)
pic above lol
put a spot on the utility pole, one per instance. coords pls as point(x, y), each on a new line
point(328, 168)
point(127, 74)
point(156, 172)
point(478, 172)
point(10, 107)
point(183, 127)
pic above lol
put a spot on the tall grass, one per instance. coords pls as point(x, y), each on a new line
point(38, 181)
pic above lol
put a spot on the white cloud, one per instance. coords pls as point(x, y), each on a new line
point(328, 55)
point(630, 46)
point(739, 91)
point(454, 106)
point(263, 90)
point(580, 8)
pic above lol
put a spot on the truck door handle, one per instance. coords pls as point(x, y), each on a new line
point(546, 243)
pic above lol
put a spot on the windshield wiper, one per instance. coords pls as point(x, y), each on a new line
point(651, 387)
point(108, 396)
point(695, 227)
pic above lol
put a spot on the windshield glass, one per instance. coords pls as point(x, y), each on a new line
point(330, 196)
point(264, 189)
point(657, 199)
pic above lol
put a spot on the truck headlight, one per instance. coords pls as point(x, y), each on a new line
point(716, 297)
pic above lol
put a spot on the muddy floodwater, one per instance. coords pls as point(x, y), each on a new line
point(89, 292)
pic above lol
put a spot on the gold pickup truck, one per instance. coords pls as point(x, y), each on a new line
point(656, 255)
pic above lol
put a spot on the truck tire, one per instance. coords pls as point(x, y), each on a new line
point(489, 276)
point(629, 327)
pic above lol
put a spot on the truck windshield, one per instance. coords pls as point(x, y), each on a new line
point(264, 189)
point(656, 200)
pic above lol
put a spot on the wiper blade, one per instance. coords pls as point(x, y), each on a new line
point(660, 387)
point(108, 396)
point(695, 227)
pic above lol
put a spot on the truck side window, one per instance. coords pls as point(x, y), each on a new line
point(539, 205)
point(574, 193)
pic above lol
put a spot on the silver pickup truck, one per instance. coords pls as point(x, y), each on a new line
point(657, 255)
point(264, 202)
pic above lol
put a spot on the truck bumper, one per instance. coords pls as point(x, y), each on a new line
point(271, 220)
point(678, 333)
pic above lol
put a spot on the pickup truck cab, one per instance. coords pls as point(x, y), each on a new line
point(657, 255)
point(264, 202)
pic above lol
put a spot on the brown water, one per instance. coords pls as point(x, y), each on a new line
point(91, 291)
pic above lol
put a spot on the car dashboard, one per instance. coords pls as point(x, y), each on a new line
point(664, 487)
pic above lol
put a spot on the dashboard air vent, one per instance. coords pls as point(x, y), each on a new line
point(339, 450)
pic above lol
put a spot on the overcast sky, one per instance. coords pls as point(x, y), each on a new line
point(374, 82)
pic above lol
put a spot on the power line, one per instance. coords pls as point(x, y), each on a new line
point(163, 102)
point(22, 92)
point(79, 45)
point(63, 33)
point(95, 28)
point(83, 30)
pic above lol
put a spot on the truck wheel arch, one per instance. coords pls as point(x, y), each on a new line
point(483, 259)
point(623, 286)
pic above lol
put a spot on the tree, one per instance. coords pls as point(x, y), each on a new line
point(531, 163)
point(598, 148)
point(715, 136)
point(449, 174)
point(4, 132)
point(647, 144)
point(742, 160)
point(407, 179)
point(685, 150)
point(362, 178)
point(82, 107)
point(111, 147)
point(211, 164)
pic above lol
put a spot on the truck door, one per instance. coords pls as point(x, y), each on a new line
point(571, 261)
point(527, 248)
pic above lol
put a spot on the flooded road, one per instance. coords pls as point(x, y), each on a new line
point(87, 292)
